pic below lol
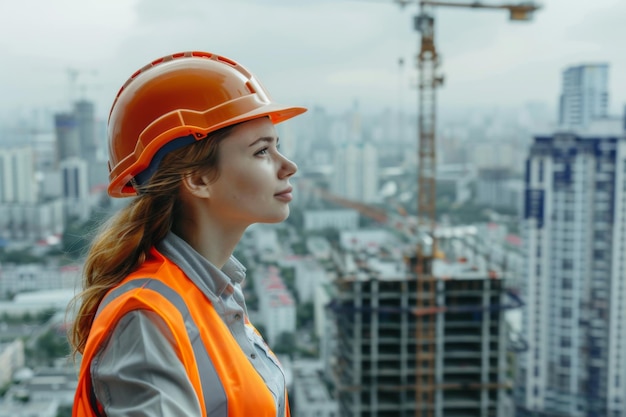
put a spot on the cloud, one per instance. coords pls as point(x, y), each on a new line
point(323, 52)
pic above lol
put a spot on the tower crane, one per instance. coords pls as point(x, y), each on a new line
point(429, 79)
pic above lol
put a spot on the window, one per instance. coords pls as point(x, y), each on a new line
point(566, 312)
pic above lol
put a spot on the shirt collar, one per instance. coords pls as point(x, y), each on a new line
point(203, 273)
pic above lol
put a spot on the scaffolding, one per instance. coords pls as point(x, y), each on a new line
point(460, 364)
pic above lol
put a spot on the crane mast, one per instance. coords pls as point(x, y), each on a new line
point(429, 80)
point(427, 385)
point(425, 343)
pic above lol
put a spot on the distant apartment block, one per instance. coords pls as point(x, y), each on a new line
point(11, 359)
point(277, 307)
point(356, 172)
point(456, 177)
point(31, 221)
point(309, 275)
point(84, 114)
point(496, 154)
point(78, 135)
point(342, 219)
point(67, 137)
point(17, 176)
point(75, 183)
point(41, 393)
point(584, 95)
point(23, 215)
point(310, 395)
point(38, 302)
point(264, 238)
point(499, 188)
point(574, 234)
point(15, 279)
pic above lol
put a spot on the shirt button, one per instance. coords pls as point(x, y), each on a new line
point(253, 355)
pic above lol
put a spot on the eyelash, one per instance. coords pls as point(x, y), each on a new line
point(264, 150)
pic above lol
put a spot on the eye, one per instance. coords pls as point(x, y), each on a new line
point(262, 151)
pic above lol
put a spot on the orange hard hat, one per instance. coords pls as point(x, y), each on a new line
point(181, 96)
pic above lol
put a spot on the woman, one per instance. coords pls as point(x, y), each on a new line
point(162, 325)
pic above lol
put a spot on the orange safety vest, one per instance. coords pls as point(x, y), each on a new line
point(225, 381)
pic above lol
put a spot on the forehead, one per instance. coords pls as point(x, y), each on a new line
point(248, 132)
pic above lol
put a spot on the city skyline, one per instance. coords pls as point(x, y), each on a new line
point(326, 53)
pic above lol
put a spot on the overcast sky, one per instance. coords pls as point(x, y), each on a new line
point(311, 52)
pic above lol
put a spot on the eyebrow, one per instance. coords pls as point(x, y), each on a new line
point(267, 139)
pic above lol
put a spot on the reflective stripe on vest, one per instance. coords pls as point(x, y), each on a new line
point(210, 354)
point(212, 389)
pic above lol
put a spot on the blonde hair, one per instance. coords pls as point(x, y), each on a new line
point(123, 242)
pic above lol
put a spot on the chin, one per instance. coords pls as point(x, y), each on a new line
point(278, 217)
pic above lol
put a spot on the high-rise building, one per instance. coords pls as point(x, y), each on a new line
point(24, 214)
point(78, 135)
point(356, 172)
point(74, 176)
point(68, 137)
point(17, 175)
point(574, 234)
point(86, 125)
point(585, 96)
point(277, 308)
point(31, 221)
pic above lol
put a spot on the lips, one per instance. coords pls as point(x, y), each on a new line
point(284, 195)
point(285, 191)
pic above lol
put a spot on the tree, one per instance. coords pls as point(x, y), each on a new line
point(288, 275)
point(285, 343)
point(23, 256)
point(304, 314)
point(49, 346)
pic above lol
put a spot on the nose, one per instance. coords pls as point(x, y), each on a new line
point(287, 167)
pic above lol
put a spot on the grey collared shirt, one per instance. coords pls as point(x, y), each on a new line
point(136, 372)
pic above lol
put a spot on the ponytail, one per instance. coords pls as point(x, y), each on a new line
point(123, 242)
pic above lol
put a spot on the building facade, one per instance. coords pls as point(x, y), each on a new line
point(433, 346)
point(25, 215)
point(340, 219)
point(584, 96)
point(574, 232)
point(356, 172)
point(17, 175)
point(67, 137)
point(11, 359)
point(75, 185)
point(277, 307)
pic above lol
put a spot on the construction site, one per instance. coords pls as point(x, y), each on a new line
point(420, 323)
point(430, 346)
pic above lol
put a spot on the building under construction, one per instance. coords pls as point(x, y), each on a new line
point(434, 346)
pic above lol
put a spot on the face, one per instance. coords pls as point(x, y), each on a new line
point(253, 183)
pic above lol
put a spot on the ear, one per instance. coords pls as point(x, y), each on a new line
point(197, 185)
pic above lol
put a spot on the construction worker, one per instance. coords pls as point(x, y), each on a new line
point(161, 324)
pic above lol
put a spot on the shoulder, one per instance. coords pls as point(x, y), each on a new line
point(138, 359)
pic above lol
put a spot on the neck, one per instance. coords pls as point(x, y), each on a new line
point(216, 242)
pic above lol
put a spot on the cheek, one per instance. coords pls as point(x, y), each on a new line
point(246, 186)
